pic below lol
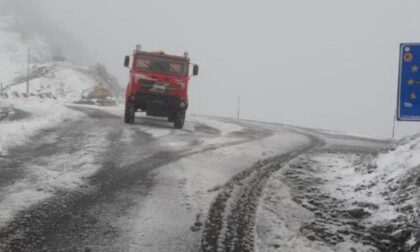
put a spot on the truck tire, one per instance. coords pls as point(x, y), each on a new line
point(179, 120)
point(129, 114)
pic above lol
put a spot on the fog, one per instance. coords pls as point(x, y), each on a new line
point(34, 19)
point(325, 64)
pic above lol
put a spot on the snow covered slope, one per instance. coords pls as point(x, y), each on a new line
point(63, 80)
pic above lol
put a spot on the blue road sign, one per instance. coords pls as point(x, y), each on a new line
point(409, 83)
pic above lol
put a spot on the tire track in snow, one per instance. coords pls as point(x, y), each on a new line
point(231, 219)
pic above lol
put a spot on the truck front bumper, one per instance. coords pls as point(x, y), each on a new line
point(158, 105)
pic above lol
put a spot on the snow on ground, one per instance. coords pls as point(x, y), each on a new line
point(401, 163)
point(344, 201)
point(187, 187)
point(279, 220)
point(45, 114)
point(41, 181)
point(62, 171)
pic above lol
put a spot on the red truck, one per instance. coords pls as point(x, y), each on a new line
point(158, 85)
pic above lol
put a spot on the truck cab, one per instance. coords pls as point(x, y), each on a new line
point(158, 85)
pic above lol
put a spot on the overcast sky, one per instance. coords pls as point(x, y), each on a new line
point(326, 63)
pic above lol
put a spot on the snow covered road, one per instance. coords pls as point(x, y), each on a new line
point(82, 184)
point(93, 183)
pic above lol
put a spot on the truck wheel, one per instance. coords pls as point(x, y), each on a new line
point(129, 114)
point(179, 120)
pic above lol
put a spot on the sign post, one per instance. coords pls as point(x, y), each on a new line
point(409, 83)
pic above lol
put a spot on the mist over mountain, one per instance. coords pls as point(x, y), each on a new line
point(30, 19)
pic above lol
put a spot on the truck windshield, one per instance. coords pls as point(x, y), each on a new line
point(161, 65)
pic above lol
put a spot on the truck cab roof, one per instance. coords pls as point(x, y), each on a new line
point(162, 54)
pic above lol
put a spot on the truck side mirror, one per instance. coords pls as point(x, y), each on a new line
point(127, 61)
point(195, 70)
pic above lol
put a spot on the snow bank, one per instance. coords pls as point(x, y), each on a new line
point(397, 174)
point(403, 160)
point(393, 177)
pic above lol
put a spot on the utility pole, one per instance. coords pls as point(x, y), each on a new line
point(239, 106)
point(27, 72)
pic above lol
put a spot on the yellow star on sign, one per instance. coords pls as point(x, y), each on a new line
point(413, 96)
point(408, 57)
point(410, 82)
point(414, 69)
